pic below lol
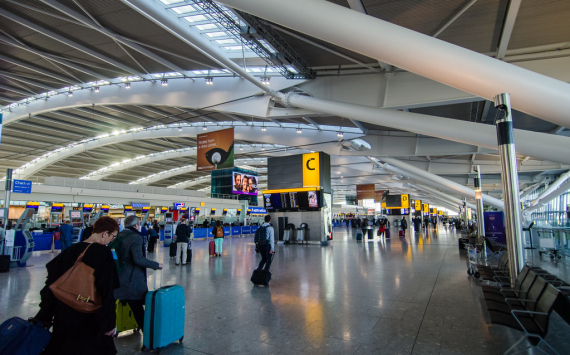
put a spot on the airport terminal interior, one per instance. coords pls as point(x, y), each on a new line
point(413, 157)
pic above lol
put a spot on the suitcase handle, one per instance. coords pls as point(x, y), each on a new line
point(156, 276)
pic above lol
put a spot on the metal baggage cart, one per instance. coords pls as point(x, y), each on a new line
point(548, 241)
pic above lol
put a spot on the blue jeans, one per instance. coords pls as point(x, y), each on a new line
point(219, 242)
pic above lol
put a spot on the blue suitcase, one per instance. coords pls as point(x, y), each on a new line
point(358, 236)
point(163, 316)
point(20, 337)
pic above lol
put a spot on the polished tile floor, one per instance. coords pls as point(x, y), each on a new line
point(396, 296)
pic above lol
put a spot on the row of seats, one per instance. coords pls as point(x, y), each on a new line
point(527, 303)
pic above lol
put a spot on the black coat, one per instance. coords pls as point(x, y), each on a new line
point(182, 233)
point(76, 333)
point(86, 233)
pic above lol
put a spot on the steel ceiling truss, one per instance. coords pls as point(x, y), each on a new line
point(257, 30)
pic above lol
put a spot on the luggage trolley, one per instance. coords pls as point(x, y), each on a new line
point(548, 243)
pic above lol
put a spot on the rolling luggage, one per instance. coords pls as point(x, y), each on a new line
point(387, 233)
point(163, 316)
point(125, 318)
point(189, 253)
point(261, 278)
point(173, 247)
point(358, 236)
point(20, 337)
point(4, 263)
point(212, 248)
point(401, 233)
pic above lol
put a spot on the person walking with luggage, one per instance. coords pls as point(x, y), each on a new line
point(76, 332)
point(152, 238)
point(381, 228)
point(182, 239)
point(266, 249)
point(404, 225)
point(66, 231)
point(218, 233)
point(132, 265)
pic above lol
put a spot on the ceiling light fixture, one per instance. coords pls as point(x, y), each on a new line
point(263, 128)
point(265, 80)
point(179, 129)
point(209, 80)
point(205, 128)
point(69, 93)
point(339, 134)
point(127, 85)
point(164, 82)
point(96, 89)
point(299, 130)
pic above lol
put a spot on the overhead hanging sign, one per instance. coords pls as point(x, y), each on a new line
point(22, 186)
point(426, 208)
point(215, 150)
point(379, 195)
point(434, 210)
point(366, 192)
point(418, 205)
point(311, 170)
point(398, 201)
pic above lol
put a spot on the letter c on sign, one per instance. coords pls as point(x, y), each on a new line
point(308, 161)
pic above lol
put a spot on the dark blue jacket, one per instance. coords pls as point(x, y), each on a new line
point(66, 231)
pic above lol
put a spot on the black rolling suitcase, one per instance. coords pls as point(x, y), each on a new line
point(4, 259)
point(261, 278)
point(173, 247)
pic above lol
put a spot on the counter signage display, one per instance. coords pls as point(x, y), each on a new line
point(57, 207)
point(87, 208)
point(196, 211)
point(163, 209)
point(244, 184)
point(34, 205)
point(213, 211)
point(238, 211)
point(75, 214)
point(128, 208)
point(146, 208)
point(292, 201)
point(225, 211)
point(140, 204)
point(179, 205)
point(105, 208)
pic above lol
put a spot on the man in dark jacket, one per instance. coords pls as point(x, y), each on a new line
point(417, 223)
point(156, 227)
point(86, 234)
point(66, 238)
point(182, 236)
point(132, 268)
point(404, 224)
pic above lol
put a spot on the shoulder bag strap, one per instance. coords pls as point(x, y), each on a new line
point(80, 257)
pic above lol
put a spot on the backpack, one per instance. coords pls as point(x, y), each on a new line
point(115, 247)
point(261, 236)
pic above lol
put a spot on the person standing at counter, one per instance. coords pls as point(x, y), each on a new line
point(182, 239)
point(66, 231)
point(218, 233)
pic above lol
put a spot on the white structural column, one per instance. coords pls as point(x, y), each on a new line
point(465, 191)
point(449, 64)
point(540, 145)
point(553, 187)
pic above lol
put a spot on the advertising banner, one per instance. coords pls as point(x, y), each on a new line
point(245, 184)
point(495, 226)
point(215, 150)
point(366, 192)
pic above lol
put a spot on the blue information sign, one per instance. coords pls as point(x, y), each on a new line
point(259, 210)
point(22, 186)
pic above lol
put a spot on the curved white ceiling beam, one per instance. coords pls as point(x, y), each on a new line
point(285, 135)
point(533, 93)
point(188, 169)
point(179, 92)
point(169, 154)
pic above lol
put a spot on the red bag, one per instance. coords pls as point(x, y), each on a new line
point(57, 235)
point(401, 233)
point(212, 248)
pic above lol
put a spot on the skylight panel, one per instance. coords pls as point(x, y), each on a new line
point(207, 26)
point(226, 41)
point(184, 9)
point(195, 18)
point(256, 70)
point(233, 48)
point(216, 34)
point(170, 2)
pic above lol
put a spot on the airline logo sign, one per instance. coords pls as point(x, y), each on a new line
point(405, 201)
point(426, 208)
point(311, 170)
point(418, 205)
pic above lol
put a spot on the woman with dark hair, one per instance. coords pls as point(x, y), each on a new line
point(75, 332)
point(218, 233)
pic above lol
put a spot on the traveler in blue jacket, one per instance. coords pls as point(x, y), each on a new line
point(267, 250)
point(66, 231)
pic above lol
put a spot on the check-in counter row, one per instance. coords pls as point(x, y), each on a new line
point(43, 241)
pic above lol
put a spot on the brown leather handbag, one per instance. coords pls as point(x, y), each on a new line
point(76, 288)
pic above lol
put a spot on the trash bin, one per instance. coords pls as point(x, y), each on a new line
point(288, 233)
point(301, 232)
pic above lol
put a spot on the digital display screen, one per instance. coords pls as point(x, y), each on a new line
point(128, 208)
point(163, 209)
point(145, 209)
point(87, 208)
point(57, 207)
point(105, 208)
point(34, 205)
point(239, 211)
point(196, 211)
point(75, 214)
point(225, 211)
point(179, 205)
point(245, 184)
point(291, 201)
point(393, 201)
point(213, 211)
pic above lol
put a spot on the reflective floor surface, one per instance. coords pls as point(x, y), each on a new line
point(395, 296)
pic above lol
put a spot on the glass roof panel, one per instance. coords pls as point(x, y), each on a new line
point(226, 41)
point(184, 9)
point(195, 18)
point(208, 26)
point(216, 34)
